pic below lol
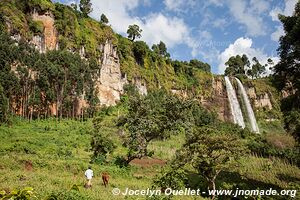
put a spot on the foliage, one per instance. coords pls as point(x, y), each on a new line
point(200, 65)
point(134, 32)
point(85, 7)
point(102, 144)
point(171, 178)
point(157, 116)
point(287, 70)
point(103, 19)
point(280, 146)
point(140, 50)
point(3, 106)
point(23, 194)
point(256, 69)
point(57, 77)
point(237, 65)
point(160, 49)
point(210, 151)
point(67, 195)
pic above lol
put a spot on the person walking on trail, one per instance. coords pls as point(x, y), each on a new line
point(89, 175)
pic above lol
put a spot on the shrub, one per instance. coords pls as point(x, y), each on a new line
point(281, 141)
point(23, 194)
point(67, 195)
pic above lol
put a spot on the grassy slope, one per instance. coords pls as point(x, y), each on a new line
point(60, 154)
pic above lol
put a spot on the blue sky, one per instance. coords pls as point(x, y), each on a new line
point(208, 30)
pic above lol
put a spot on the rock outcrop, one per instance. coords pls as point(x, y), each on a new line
point(259, 101)
point(49, 39)
point(218, 100)
point(140, 85)
point(109, 85)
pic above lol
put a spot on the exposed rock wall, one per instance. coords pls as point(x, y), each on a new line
point(141, 86)
point(109, 85)
point(49, 39)
point(259, 101)
point(218, 100)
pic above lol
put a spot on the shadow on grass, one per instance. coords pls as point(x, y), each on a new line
point(233, 180)
point(287, 178)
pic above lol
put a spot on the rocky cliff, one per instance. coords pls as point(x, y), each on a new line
point(109, 85)
point(49, 39)
point(261, 100)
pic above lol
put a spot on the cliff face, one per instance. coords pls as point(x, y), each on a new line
point(218, 100)
point(110, 80)
point(49, 39)
point(109, 85)
point(260, 101)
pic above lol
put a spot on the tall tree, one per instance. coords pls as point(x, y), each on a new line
point(85, 7)
point(287, 71)
point(237, 65)
point(257, 69)
point(103, 19)
point(210, 151)
point(134, 32)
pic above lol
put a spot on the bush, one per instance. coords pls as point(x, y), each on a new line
point(23, 194)
point(171, 178)
point(281, 141)
point(67, 195)
point(262, 147)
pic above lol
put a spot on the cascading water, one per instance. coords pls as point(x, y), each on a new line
point(234, 104)
point(250, 112)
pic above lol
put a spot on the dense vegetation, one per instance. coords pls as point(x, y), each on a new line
point(178, 142)
point(32, 82)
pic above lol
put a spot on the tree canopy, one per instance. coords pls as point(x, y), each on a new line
point(103, 19)
point(134, 32)
point(85, 7)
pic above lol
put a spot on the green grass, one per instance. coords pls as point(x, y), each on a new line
point(60, 153)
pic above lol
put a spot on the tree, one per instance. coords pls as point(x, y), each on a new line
point(157, 116)
point(140, 50)
point(256, 69)
point(287, 71)
point(210, 151)
point(3, 106)
point(134, 32)
point(103, 19)
point(74, 6)
point(160, 49)
point(200, 65)
point(102, 144)
point(237, 65)
point(85, 7)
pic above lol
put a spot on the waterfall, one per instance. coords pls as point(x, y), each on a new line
point(250, 112)
point(234, 104)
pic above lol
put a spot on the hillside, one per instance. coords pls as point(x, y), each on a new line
point(116, 61)
point(74, 93)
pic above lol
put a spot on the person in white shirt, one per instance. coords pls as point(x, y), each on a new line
point(89, 175)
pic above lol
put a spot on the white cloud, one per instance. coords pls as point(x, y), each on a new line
point(156, 26)
point(174, 4)
point(179, 5)
point(259, 6)
point(251, 18)
point(216, 2)
point(220, 23)
point(243, 46)
point(288, 10)
point(277, 34)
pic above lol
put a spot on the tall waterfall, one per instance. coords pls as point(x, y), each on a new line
point(250, 112)
point(234, 104)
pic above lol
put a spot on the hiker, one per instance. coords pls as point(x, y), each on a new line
point(89, 175)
